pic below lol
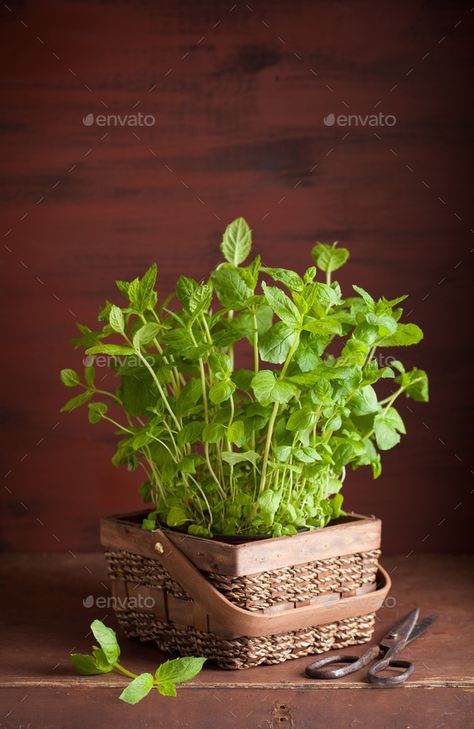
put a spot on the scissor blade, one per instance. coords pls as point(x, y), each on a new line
point(421, 627)
point(402, 629)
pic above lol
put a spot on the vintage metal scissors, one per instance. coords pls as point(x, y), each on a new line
point(406, 630)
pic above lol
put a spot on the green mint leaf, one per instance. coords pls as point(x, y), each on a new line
point(185, 288)
point(268, 504)
point(235, 431)
point(366, 297)
point(393, 417)
point(301, 420)
point(251, 272)
point(166, 688)
point(145, 335)
point(309, 351)
point(199, 531)
point(275, 344)
point(323, 327)
point(104, 312)
point(364, 332)
point(310, 274)
point(326, 295)
point(190, 433)
point(264, 315)
point(221, 391)
point(189, 397)
point(282, 453)
point(137, 689)
point(398, 365)
point(138, 393)
point(365, 401)
point(123, 287)
point(101, 660)
point(97, 410)
point(283, 275)
point(268, 389)
point(179, 670)
point(230, 287)
point(336, 506)
point(416, 383)
point(232, 458)
point(282, 305)
point(89, 375)
point(237, 242)
point(142, 438)
point(386, 430)
point(213, 432)
point(116, 349)
point(176, 516)
point(322, 371)
point(189, 463)
point(88, 338)
point(404, 336)
point(134, 293)
point(376, 464)
point(179, 342)
point(386, 324)
point(76, 402)
point(116, 320)
point(329, 258)
point(322, 391)
point(344, 453)
point(149, 524)
point(70, 378)
point(220, 364)
point(87, 665)
point(107, 640)
point(146, 297)
point(307, 454)
point(334, 423)
point(200, 300)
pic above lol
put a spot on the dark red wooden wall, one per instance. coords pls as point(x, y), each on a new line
point(239, 93)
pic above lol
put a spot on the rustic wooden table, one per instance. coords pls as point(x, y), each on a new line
point(42, 601)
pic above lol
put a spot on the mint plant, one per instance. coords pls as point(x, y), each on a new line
point(105, 658)
point(256, 446)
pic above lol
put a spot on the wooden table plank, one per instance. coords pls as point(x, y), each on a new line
point(42, 601)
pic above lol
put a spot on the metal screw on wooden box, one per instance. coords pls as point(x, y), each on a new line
point(245, 604)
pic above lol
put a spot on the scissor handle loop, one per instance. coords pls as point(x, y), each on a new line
point(395, 680)
point(352, 664)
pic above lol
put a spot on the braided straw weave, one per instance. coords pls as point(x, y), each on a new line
point(284, 587)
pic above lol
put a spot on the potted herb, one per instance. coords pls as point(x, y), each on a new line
point(244, 399)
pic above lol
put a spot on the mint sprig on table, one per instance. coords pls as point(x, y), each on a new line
point(105, 658)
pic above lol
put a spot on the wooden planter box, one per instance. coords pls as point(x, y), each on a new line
point(263, 601)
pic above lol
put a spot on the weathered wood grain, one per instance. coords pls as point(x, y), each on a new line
point(239, 94)
point(43, 607)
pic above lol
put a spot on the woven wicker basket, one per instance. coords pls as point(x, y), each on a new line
point(246, 604)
